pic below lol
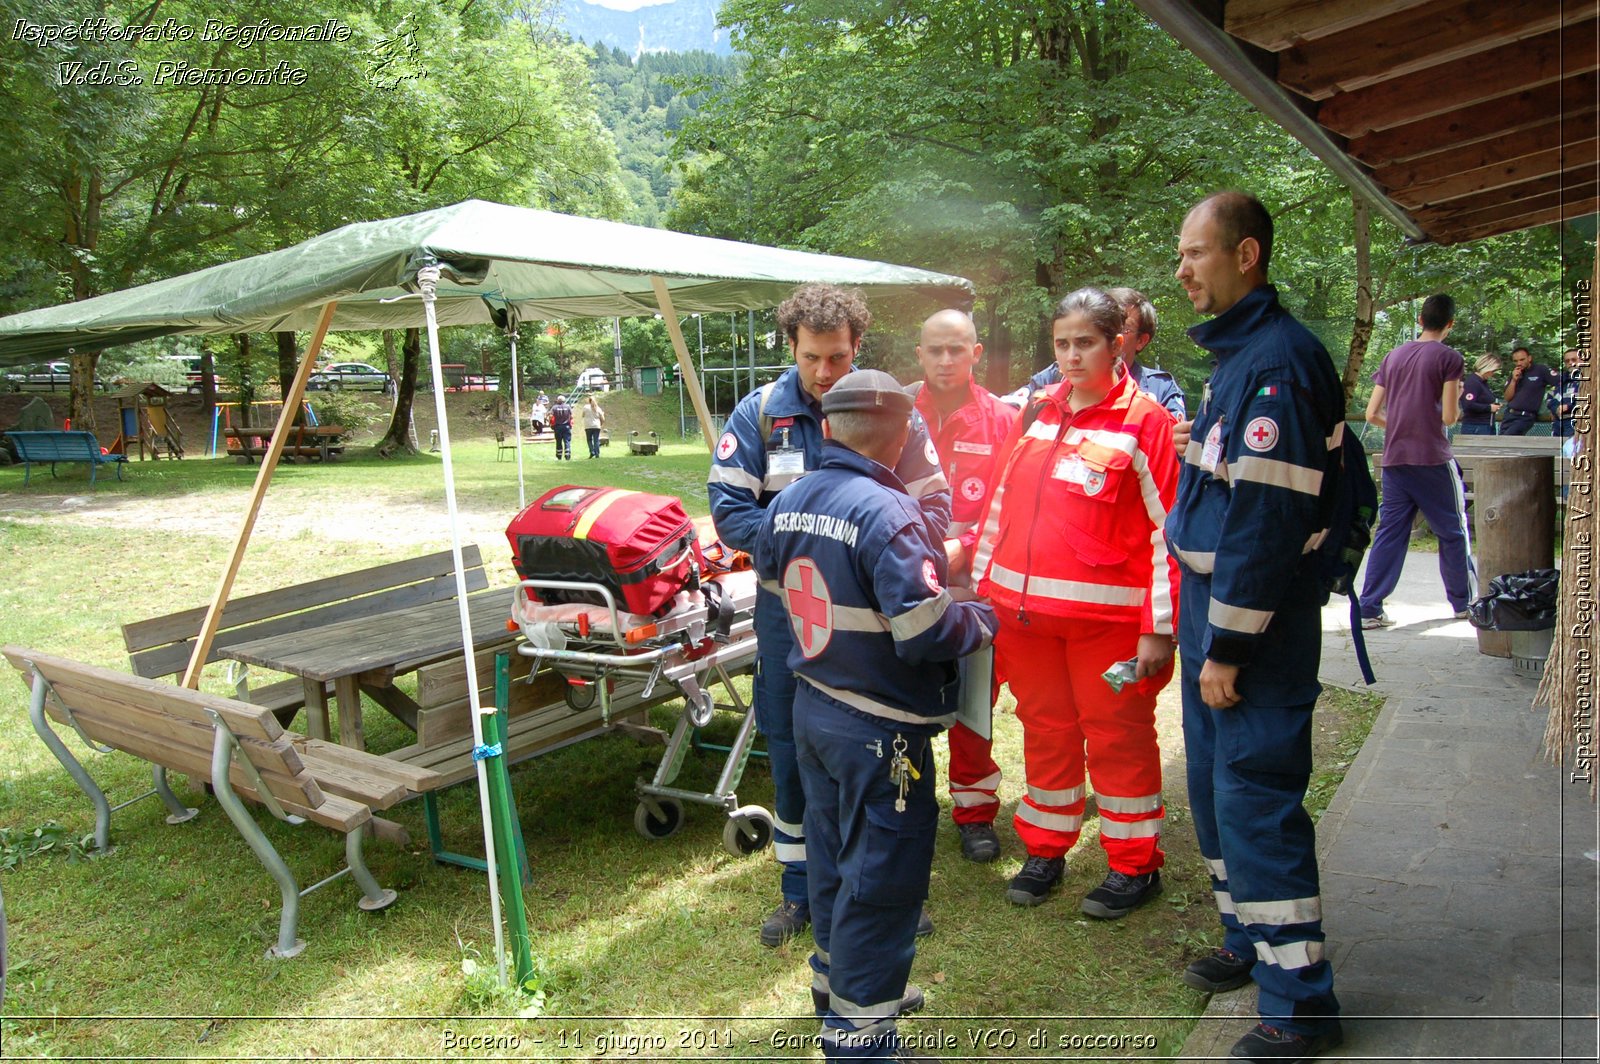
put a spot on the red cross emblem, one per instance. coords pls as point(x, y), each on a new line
point(810, 606)
point(1261, 434)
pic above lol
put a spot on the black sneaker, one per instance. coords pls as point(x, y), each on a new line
point(913, 1000)
point(784, 922)
point(1120, 894)
point(1031, 886)
point(1223, 970)
point(1268, 1043)
point(979, 842)
point(924, 923)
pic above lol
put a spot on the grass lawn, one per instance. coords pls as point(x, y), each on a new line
point(156, 951)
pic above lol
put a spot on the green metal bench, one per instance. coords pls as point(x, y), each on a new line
point(62, 446)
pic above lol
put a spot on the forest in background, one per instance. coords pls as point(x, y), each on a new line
point(1032, 148)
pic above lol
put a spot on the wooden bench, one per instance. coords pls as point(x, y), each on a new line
point(305, 441)
point(161, 646)
point(238, 749)
point(62, 446)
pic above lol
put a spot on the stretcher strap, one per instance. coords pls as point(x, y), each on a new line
point(719, 604)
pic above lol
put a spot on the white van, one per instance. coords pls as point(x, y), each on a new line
point(593, 379)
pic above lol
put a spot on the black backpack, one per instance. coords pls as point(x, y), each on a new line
point(1353, 509)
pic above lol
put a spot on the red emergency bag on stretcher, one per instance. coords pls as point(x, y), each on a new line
point(643, 548)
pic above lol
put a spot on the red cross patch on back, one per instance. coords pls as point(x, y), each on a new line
point(810, 605)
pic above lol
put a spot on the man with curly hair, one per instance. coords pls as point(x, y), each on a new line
point(773, 438)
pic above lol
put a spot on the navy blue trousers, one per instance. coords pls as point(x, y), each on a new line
point(774, 707)
point(1248, 770)
point(1436, 491)
point(869, 866)
point(1516, 423)
point(563, 440)
point(1477, 428)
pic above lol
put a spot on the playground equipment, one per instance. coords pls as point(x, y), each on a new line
point(222, 417)
point(144, 423)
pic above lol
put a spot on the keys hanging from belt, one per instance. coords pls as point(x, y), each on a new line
point(902, 773)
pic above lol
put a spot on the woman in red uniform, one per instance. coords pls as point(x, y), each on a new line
point(1074, 561)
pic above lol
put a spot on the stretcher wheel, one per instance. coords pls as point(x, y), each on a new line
point(747, 833)
point(580, 696)
point(646, 823)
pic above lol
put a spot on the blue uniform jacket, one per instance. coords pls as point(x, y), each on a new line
point(863, 583)
point(1251, 505)
point(741, 484)
point(1158, 384)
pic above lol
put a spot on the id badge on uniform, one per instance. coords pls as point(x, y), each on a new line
point(1211, 453)
point(787, 461)
point(1071, 469)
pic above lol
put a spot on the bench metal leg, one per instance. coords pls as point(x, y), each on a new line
point(102, 808)
point(375, 897)
point(221, 758)
point(178, 812)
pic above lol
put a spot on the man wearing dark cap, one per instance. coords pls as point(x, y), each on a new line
point(774, 438)
point(876, 638)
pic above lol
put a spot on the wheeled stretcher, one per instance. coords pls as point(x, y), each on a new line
point(706, 637)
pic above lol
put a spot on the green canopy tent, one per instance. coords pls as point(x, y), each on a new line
point(471, 263)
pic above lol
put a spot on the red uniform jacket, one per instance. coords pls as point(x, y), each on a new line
point(971, 443)
point(1074, 524)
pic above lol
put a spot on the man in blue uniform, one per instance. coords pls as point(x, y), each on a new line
point(875, 639)
point(1139, 329)
point(773, 438)
point(1524, 393)
point(1252, 503)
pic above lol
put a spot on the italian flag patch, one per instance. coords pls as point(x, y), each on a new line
point(1270, 389)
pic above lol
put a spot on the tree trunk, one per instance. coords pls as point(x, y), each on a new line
point(244, 388)
point(81, 402)
point(997, 376)
point(1366, 309)
point(208, 384)
point(397, 440)
point(288, 366)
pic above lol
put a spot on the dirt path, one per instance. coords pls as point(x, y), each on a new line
point(286, 515)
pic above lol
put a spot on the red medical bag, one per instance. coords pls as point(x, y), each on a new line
point(641, 547)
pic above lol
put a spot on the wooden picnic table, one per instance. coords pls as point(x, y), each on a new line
point(365, 654)
point(304, 441)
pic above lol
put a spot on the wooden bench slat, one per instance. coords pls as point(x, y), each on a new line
point(244, 720)
point(415, 778)
point(298, 794)
point(141, 635)
point(528, 735)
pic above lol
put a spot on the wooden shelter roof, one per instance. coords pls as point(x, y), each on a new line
point(1457, 119)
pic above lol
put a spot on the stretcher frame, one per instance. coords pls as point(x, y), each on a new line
point(683, 648)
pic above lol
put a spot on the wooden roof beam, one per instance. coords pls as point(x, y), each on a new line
point(1279, 24)
point(1565, 213)
point(1451, 86)
point(1438, 32)
point(1447, 218)
point(1572, 97)
point(1540, 186)
point(1574, 159)
point(1568, 129)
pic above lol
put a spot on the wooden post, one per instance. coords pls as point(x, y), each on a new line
point(269, 463)
point(685, 364)
point(1514, 524)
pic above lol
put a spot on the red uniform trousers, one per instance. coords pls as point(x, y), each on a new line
point(1054, 667)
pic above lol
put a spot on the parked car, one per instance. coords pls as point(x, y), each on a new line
point(48, 376)
point(593, 379)
point(190, 364)
point(358, 376)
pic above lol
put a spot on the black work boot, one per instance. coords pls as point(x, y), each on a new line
point(1032, 885)
point(979, 843)
point(783, 923)
point(1120, 894)
point(1269, 1043)
point(1223, 970)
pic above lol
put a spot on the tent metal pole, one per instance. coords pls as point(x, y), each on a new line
point(269, 463)
point(685, 363)
point(428, 284)
point(516, 419)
